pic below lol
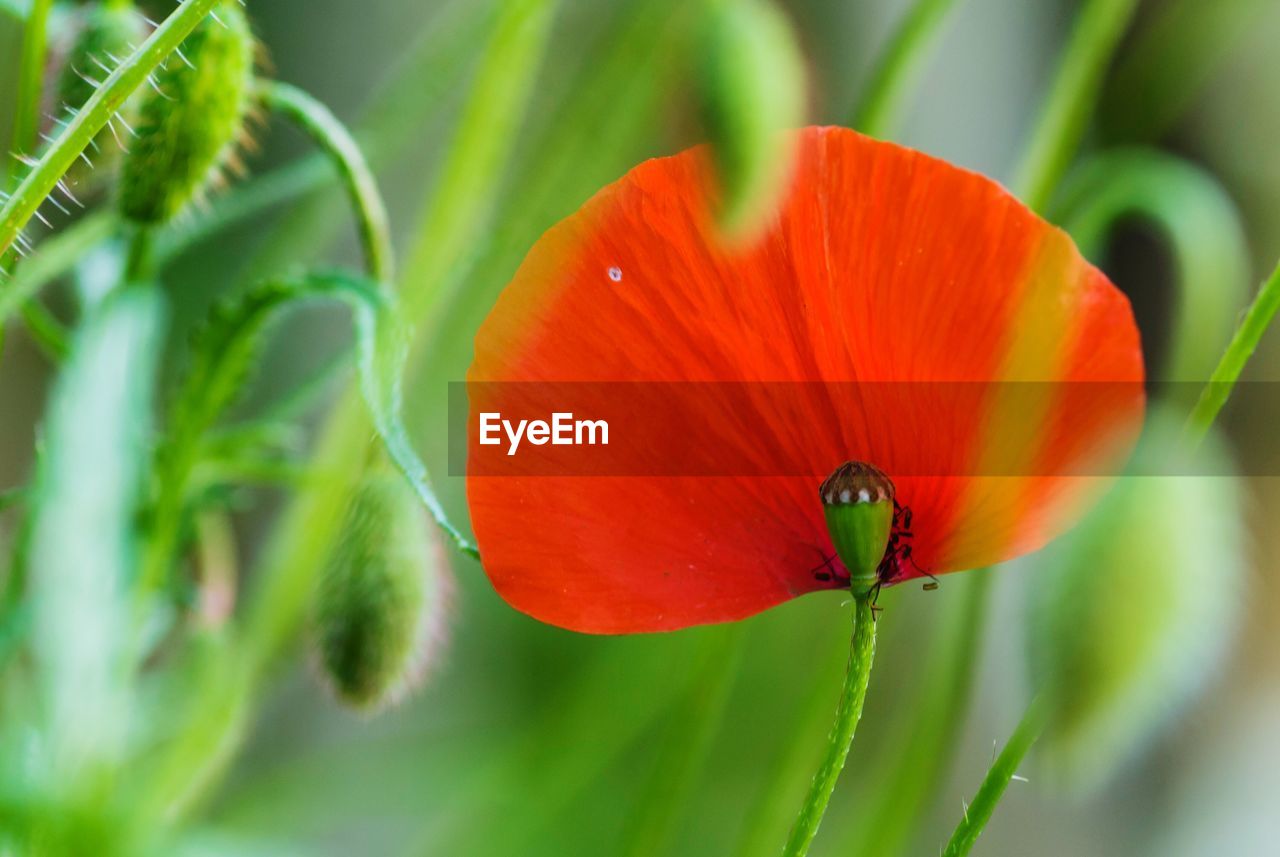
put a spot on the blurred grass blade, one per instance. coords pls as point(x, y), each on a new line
point(1170, 62)
point(688, 735)
point(1247, 336)
point(16, 9)
point(1065, 115)
point(35, 36)
point(1003, 769)
point(771, 814)
point(631, 680)
point(590, 142)
point(1199, 223)
point(200, 710)
point(83, 546)
point(881, 106)
point(463, 200)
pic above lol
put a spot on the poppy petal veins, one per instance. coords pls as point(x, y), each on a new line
point(883, 265)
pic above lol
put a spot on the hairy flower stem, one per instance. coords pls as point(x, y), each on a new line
point(93, 117)
point(316, 120)
point(862, 649)
point(881, 105)
point(1066, 112)
point(978, 812)
point(1233, 361)
point(920, 751)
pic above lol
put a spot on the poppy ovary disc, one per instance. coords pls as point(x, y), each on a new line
point(858, 500)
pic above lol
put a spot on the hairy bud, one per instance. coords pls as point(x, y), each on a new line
point(381, 603)
point(190, 118)
point(751, 89)
point(1136, 607)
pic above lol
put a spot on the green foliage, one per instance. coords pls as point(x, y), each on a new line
point(191, 120)
point(109, 32)
point(17, 9)
point(1136, 607)
point(604, 746)
point(378, 605)
point(46, 174)
point(84, 633)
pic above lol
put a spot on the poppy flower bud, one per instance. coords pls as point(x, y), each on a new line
point(751, 89)
point(1135, 608)
point(190, 118)
point(110, 32)
point(857, 500)
point(381, 603)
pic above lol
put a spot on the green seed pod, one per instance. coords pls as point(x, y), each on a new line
point(380, 605)
point(190, 118)
point(1136, 607)
point(110, 31)
point(751, 89)
point(857, 500)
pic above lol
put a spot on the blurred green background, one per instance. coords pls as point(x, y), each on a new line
point(528, 740)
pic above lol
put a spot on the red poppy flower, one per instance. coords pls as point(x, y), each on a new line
point(883, 266)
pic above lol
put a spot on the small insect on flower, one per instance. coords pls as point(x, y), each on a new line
point(896, 311)
point(862, 517)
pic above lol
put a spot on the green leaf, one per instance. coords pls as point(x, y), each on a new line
point(83, 541)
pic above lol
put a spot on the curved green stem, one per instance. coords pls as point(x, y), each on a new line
point(1066, 112)
point(93, 117)
point(1218, 390)
point(1003, 769)
point(332, 136)
point(862, 649)
point(881, 105)
point(496, 104)
point(1196, 220)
